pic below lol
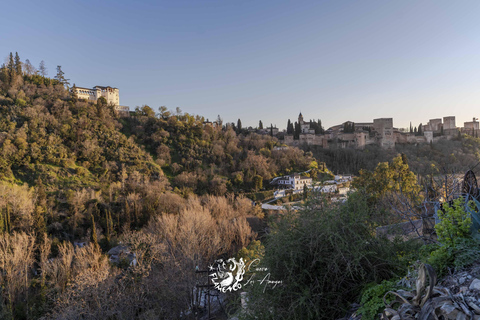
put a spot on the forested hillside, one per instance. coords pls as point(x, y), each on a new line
point(456, 155)
point(166, 186)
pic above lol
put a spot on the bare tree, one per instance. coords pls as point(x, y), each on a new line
point(28, 68)
point(42, 69)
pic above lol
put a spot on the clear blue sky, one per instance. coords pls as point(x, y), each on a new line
point(263, 60)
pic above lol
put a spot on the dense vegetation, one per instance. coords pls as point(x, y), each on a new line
point(168, 186)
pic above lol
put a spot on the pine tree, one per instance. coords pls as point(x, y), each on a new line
point(61, 78)
point(18, 64)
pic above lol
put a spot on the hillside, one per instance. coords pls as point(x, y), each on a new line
point(164, 190)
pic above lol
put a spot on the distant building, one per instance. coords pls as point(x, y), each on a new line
point(384, 129)
point(110, 94)
point(304, 126)
point(434, 125)
point(449, 123)
point(294, 181)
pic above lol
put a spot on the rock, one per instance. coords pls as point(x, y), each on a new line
point(462, 280)
point(449, 310)
point(118, 250)
point(475, 285)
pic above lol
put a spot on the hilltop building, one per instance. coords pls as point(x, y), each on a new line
point(109, 93)
point(304, 126)
point(471, 127)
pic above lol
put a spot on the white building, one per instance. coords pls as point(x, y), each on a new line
point(294, 181)
point(110, 94)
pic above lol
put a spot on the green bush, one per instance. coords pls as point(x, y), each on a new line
point(325, 254)
point(455, 222)
point(372, 298)
point(458, 249)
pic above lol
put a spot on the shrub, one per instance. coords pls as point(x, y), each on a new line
point(325, 254)
point(372, 298)
point(455, 222)
point(458, 249)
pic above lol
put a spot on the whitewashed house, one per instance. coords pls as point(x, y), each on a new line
point(294, 181)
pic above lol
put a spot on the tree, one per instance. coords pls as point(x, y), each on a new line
point(61, 78)
point(11, 67)
point(94, 233)
point(420, 130)
point(239, 126)
point(258, 182)
point(260, 125)
point(387, 178)
point(42, 69)
point(18, 64)
point(290, 129)
point(271, 130)
point(411, 128)
point(147, 111)
point(29, 69)
point(164, 113)
point(297, 130)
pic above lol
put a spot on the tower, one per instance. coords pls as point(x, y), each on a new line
point(300, 118)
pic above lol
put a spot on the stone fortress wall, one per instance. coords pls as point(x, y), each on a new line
point(380, 132)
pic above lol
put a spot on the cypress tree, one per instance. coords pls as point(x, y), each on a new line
point(11, 67)
point(2, 223)
point(94, 233)
point(298, 130)
point(18, 64)
point(260, 125)
point(8, 226)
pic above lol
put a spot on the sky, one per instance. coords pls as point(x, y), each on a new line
point(263, 60)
